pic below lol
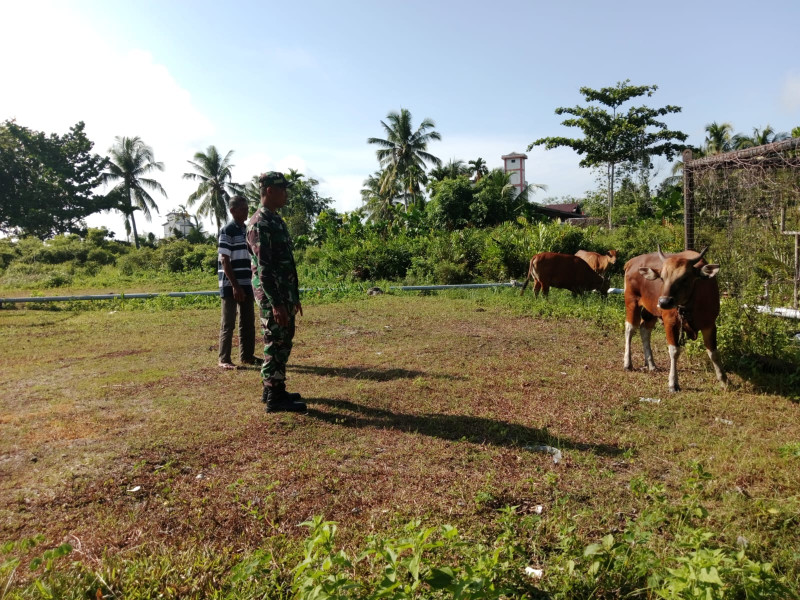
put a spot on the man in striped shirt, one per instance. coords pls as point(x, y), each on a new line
point(236, 288)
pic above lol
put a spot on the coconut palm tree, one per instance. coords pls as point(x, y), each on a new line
point(129, 161)
point(377, 198)
point(719, 138)
point(479, 168)
point(760, 137)
point(403, 154)
point(293, 175)
point(215, 187)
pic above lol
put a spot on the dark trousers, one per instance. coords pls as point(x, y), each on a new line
point(277, 346)
point(247, 329)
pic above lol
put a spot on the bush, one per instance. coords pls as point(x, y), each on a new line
point(170, 254)
point(201, 258)
point(136, 261)
point(101, 256)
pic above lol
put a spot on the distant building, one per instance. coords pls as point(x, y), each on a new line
point(514, 166)
point(177, 221)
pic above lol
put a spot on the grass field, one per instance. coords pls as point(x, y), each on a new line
point(121, 438)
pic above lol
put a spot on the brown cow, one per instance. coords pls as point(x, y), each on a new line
point(679, 289)
point(565, 271)
point(599, 262)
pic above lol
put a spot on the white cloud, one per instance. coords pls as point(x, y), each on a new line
point(790, 95)
point(72, 74)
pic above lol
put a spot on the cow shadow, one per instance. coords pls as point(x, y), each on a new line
point(479, 430)
point(368, 373)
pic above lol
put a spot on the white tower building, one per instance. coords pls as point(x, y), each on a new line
point(514, 165)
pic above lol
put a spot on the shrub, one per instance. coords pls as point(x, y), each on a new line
point(201, 258)
point(101, 256)
point(136, 261)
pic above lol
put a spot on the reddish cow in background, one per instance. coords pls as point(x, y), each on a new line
point(599, 262)
point(679, 289)
point(565, 271)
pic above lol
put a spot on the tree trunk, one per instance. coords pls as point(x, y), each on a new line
point(133, 221)
point(610, 193)
point(133, 227)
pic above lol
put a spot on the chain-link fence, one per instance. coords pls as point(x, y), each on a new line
point(745, 205)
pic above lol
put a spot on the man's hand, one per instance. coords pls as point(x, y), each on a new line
point(238, 293)
point(281, 315)
point(298, 309)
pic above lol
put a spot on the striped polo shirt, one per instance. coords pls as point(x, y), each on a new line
point(232, 243)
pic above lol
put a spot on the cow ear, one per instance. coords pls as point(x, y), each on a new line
point(649, 273)
point(709, 271)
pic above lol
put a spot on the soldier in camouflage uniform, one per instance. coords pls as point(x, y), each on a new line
point(276, 290)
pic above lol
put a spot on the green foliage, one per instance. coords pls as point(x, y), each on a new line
point(451, 199)
point(47, 183)
point(402, 567)
point(303, 205)
point(403, 154)
point(129, 164)
point(212, 172)
point(614, 138)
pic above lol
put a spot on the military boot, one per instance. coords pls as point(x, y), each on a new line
point(277, 400)
point(293, 396)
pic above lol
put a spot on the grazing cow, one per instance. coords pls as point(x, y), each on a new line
point(679, 289)
point(565, 271)
point(599, 262)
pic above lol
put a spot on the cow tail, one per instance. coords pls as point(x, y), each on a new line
point(527, 279)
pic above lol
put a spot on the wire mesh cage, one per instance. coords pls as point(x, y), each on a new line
point(745, 205)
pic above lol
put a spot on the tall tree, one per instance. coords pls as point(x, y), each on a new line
point(47, 182)
point(130, 161)
point(303, 204)
point(213, 172)
point(719, 138)
point(760, 137)
point(403, 153)
point(479, 168)
point(615, 138)
point(378, 199)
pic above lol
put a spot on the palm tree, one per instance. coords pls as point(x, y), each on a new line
point(293, 175)
point(479, 168)
point(377, 198)
point(215, 187)
point(403, 153)
point(719, 138)
point(760, 137)
point(131, 159)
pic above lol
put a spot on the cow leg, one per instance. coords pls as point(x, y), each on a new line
point(630, 329)
point(645, 331)
point(545, 289)
point(537, 287)
point(710, 342)
point(633, 316)
point(674, 352)
point(673, 331)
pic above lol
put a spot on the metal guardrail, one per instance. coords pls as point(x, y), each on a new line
point(124, 296)
point(788, 313)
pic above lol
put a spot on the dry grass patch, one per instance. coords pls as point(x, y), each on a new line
point(117, 430)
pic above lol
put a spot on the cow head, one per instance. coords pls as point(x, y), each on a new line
point(613, 255)
point(679, 276)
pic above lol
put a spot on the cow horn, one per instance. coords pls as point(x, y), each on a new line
point(693, 261)
point(660, 253)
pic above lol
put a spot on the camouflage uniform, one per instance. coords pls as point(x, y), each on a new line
point(275, 284)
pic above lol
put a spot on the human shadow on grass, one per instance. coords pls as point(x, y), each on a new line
point(479, 430)
point(367, 373)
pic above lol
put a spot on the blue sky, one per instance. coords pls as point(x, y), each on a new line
point(303, 84)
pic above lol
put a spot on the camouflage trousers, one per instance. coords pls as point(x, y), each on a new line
point(277, 346)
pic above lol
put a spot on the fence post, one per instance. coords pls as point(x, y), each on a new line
point(688, 202)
